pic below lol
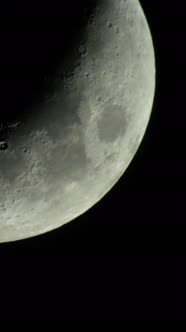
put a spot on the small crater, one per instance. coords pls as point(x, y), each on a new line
point(109, 24)
point(3, 145)
point(113, 123)
point(82, 49)
point(116, 29)
point(26, 151)
point(98, 98)
point(92, 22)
point(87, 74)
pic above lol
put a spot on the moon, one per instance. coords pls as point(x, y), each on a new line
point(80, 138)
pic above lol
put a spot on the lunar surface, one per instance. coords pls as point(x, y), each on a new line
point(85, 131)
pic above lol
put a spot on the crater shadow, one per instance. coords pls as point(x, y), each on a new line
point(35, 40)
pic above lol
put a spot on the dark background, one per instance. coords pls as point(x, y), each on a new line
point(124, 257)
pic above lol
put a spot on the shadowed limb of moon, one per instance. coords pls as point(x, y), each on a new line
point(83, 125)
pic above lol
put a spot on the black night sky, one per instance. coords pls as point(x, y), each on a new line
point(124, 257)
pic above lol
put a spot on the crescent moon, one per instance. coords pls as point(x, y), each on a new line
point(61, 162)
